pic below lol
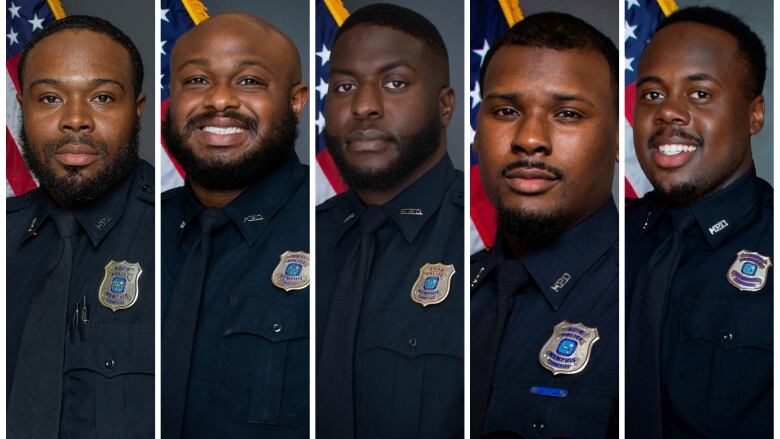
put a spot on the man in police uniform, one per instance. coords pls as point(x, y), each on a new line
point(699, 246)
point(389, 251)
point(544, 318)
point(235, 238)
point(80, 285)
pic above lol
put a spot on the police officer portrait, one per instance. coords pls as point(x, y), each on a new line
point(544, 298)
point(235, 237)
point(699, 277)
point(389, 309)
point(80, 247)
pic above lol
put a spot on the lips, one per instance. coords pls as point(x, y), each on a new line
point(221, 131)
point(76, 154)
point(670, 154)
point(530, 181)
point(368, 140)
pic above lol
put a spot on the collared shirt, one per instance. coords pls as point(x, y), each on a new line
point(108, 375)
point(716, 340)
point(574, 279)
point(249, 375)
point(408, 358)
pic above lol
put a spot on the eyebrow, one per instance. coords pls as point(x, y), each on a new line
point(382, 69)
point(691, 77)
point(93, 82)
point(560, 97)
point(239, 63)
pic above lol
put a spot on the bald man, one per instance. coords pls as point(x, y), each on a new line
point(235, 238)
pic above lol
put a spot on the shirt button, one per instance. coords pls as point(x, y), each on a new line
point(110, 364)
point(147, 188)
point(537, 426)
point(412, 342)
point(277, 328)
point(727, 336)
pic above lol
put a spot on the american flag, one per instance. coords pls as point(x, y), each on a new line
point(330, 15)
point(489, 19)
point(22, 20)
point(177, 17)
point(642, 17)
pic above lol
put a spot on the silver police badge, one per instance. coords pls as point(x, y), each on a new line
point(433, 284)
point(292, 273)
point(749, 271)
point(119, 289)
point(567, 351)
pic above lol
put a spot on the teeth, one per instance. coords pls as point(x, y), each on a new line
point(675, 149)
point(220, 130)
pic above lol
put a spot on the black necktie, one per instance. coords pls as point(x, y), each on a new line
point(511, 278)
point(335, 374)
point(36, 397)
point(181, 322)
point(651, 291)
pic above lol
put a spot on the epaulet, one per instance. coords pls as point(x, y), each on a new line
point(482, 254)
point(172, 193)
point(329, 203)
point(15, 204)
point(631, 202)
point(456, 192)
point(145, 183)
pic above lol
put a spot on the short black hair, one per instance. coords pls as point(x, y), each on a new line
point(557, 31)
point(94, 24)
point(751, 48)
point(399, 18)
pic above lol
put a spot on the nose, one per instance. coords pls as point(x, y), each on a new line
point(367, 103)
point(222, 98)
point(531, 136)
point(76, 117)
point(672, 112)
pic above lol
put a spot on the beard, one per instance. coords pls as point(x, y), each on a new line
point(259, 160)
point(530, 227)
point(414, 150)
point(74, 189)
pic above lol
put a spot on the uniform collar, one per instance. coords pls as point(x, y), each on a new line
point(412, 208)
point(97, 219)
point(253, 208)
point(557, 267)
point(720, 214)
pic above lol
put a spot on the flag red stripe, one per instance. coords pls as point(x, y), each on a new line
point(11, 65)
point(17, 175)
point(630, 100)
point(331, 172)
point(483, 214)
point(163, 116)
point(630, 192)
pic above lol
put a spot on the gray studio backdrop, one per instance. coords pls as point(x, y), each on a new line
point(136, 19)
point(758, 15)
point(447, 16)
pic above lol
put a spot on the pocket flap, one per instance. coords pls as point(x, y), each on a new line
point(113, 350)
point(417, 334)
point(729, 324)
point(273, 319)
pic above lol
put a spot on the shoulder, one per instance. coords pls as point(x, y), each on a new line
point(143, 184)
point(331, 204)
point(455, 193)
point(20, 203)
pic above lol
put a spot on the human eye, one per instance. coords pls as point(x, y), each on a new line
point(505, 112)
point(103, 99)
point(700, 95)
point(344, 87)
point(568, 115)
point(653, 95)
point(395, 84)
point(50, 99)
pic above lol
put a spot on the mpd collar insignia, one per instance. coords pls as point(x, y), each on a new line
point(119, 289)
point(749, 271)
point(433, 284)
point(567, 351)
point(292, 273)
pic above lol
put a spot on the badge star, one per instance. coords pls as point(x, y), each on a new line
point(320, 122)
point(14, 10)
point(632, 3)
point(12, 36)
point(630, 31)
point(628, 63)
point(472, 133)
point(322, 88)
point(162, 45)
point(475, 98)
point(164, 15)
point(324, 54)
point(162, 84)
point(37, 23)
point(482, 52)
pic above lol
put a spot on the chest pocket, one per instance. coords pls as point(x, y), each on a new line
point(741, 361)
point(115, 364)
point(413, 375)
point(264, 361)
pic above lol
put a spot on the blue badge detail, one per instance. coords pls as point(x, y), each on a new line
point(749, 268)
point(293, 269)
point(548, 391)
point(118, 284)
point(431, 282)
point(566, 347)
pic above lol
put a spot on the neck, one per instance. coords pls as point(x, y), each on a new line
point(215, 199)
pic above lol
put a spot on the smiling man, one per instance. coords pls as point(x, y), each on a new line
point(390, 250)
point(80, 268)
point(235, 238)
point(544, 317)
point(699, 246)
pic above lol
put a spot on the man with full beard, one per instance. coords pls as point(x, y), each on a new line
point(390, 250)
point(544, 316)
point(699, 281)
point(235, 238)
point(80, 268)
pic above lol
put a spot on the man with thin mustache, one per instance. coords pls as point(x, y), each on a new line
point(390, 250)
point(235, 238)
point(80, 268)
point(699, 278)
point(544, 316)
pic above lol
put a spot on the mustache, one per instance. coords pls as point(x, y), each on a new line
point(52, 147)
point(675, 132)
point(248, 123)
point(528, 164)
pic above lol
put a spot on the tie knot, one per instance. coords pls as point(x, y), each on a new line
point(65, 222)
point(210, 220)
point(682, 219)
point(371, 220)
point(511, 277)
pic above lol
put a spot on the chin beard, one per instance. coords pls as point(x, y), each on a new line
point(74, 189)
point(259, 160)
point(530, 228)
point(414, 150)
point(695, 188)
